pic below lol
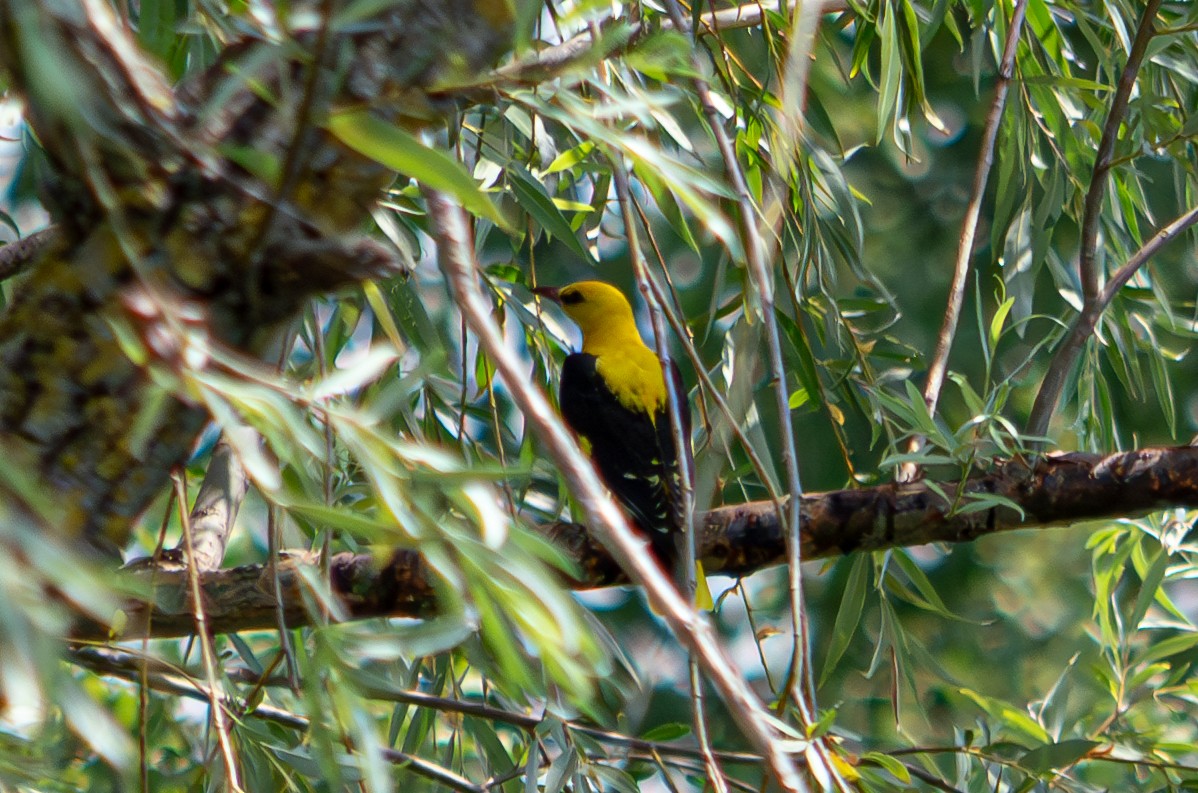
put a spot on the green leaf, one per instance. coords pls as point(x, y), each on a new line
point(570, 157)
point(399, 150)
point(923, 586)
point(891, 69)
point(7, 220)
point(848, 616)
point(1067, 82)
point(667, 732)
point(979, 502)
point(611, 778)
point(560, 771)
point(1150, 583)
point(535, 199)
point(1054, 756)
point(1000, 316)
point(1008, 715)
point(1169, 647)
point(892, 765)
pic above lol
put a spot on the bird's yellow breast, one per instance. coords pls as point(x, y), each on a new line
point(632, 372)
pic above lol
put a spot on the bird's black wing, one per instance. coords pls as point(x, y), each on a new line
point(634, 453)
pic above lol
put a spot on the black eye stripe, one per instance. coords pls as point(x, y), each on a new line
point(571, 297)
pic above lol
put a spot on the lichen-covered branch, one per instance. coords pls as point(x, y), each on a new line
point(167, 241)
point(736, 540)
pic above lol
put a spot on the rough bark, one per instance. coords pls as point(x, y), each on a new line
point(736, 540)
point(186, 219)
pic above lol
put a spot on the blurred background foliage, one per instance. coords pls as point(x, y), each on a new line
point(1039, 660)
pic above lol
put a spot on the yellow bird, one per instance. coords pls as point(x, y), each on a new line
point(613, 396)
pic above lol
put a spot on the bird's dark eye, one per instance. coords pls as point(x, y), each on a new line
point(571, 297)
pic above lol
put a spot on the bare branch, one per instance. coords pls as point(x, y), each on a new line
point(763, 281)
point(216, 710)
point(581, 49)
point(1138, 259)
point(216, 505)
point(1095, 300)
point(1083, 326)
point(171, 681)
point(17, 255)
point(1106, 148)
point(956, 293)
point(1059, 490)
point(685, 567)
point(607, 521)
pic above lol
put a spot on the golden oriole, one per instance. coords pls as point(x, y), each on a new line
point(613, 396)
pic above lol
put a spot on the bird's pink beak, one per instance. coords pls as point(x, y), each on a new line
point(548, 292)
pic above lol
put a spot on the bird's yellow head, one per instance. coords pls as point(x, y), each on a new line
point(631, 370)
point(598, 308)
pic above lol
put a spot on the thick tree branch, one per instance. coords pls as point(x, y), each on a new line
point(736, 540)
point(164, 241)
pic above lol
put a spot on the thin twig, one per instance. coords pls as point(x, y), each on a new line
point(1138, 259)
point(432, 771)
point(760, 272)
point(686, 565)
point(956, 293)
point(582, 48)
point(215, 702)
point(1094, 300)
point(715, 774)
point(143, 692)
point(801, 681)
point(803, 690)
point(326, 535)
point(274, 547)
point(125, 663)
point(665, 772)
point(605, 519)
point(177, 683)
point(1083, 327)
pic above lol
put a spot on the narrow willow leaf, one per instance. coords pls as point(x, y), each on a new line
point(1008, 715)
point(1150, 583)
point(848, 616)
point(1000, 317)
point(891, 70)
point(399, 150)
point(382, 314)
point(535, 200)
point(1056, 756)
